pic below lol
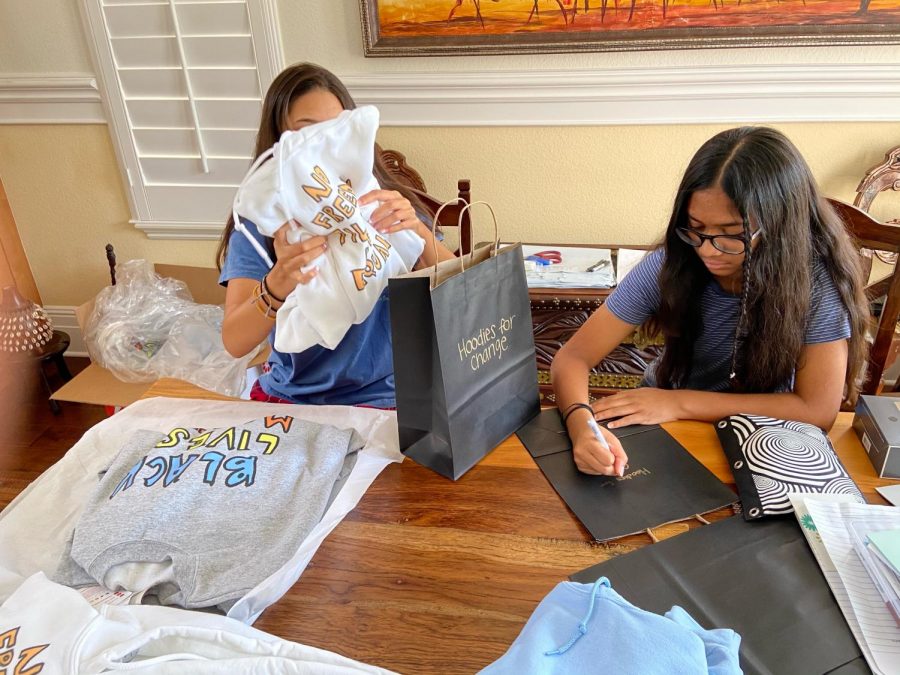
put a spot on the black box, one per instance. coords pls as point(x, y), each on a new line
point(877, 422)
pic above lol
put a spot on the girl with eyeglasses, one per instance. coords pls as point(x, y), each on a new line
point(757, 291)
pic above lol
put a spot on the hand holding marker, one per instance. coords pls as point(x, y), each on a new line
point(595, 429)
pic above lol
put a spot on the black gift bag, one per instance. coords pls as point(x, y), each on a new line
point(760, 579)
point(464, 363)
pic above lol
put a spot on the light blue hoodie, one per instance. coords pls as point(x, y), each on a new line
point(589, 628)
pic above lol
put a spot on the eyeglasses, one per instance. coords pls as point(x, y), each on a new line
point(732, 244)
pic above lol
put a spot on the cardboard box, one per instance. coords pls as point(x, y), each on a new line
point(97, 385)
point(877, 422)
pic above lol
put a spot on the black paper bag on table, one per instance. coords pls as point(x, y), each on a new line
point(759, 579)
point(464, 365)
point(664, 482)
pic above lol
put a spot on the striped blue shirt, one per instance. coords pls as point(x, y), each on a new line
point(637, 298)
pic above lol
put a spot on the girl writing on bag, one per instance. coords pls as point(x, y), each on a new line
point(757, 290)
point(360, 370)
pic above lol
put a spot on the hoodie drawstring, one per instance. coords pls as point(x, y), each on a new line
point(582, 627)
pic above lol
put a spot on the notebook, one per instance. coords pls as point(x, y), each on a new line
point(829, 525)
point(887, 544)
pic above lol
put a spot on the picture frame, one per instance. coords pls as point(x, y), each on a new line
point(478, 27)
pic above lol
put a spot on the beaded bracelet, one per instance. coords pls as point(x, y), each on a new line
point(576, 406)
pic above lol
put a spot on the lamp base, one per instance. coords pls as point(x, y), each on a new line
point(53, 352)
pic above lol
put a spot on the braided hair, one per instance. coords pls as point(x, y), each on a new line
point(740, 333)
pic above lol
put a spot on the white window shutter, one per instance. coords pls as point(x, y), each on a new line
point(183, 81)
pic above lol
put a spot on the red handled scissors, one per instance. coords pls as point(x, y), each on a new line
point(546, 257)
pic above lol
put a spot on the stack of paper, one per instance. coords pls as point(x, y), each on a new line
point(840, 535)
point(572, 270)
point(880, 550)
point(626, 259)
point(886, 547)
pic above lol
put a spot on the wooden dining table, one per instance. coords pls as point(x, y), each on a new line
point(428, 575)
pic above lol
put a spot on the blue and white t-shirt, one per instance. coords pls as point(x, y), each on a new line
point(637, 298)
point(359, 371)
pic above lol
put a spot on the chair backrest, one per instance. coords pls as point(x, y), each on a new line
point(876, 236)
point(396, 164)
point(111, 259)
point(884, 176)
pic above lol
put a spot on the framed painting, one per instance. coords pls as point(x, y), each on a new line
point(462, 27)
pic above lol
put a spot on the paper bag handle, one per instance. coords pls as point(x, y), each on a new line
point(434, 222)
point(462, 258)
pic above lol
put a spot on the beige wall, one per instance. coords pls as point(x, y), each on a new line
point(607, 184)
point(562, 184)
point(42, 36)
point(66, 193)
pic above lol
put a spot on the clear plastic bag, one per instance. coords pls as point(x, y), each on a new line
point(147, 326)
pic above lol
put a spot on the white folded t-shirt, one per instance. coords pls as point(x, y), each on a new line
point(313, 178)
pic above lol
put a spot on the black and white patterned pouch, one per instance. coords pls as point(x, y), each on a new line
point(772, 458)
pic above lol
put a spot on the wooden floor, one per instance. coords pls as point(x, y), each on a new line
point(32, 438)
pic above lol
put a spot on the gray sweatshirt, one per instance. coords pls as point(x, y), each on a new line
point(200, 517)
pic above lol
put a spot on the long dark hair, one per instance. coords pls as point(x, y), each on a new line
point(293, 82)
point(773, 189)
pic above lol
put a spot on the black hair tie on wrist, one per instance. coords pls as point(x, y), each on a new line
point(569, 408)
point(576, 406)
point(269, 290)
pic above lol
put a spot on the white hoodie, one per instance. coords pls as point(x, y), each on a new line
point(52, 629)
point(314, 176)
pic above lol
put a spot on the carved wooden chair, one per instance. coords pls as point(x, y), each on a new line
point(396, 164)
point(874, 236)
point(880, 178)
